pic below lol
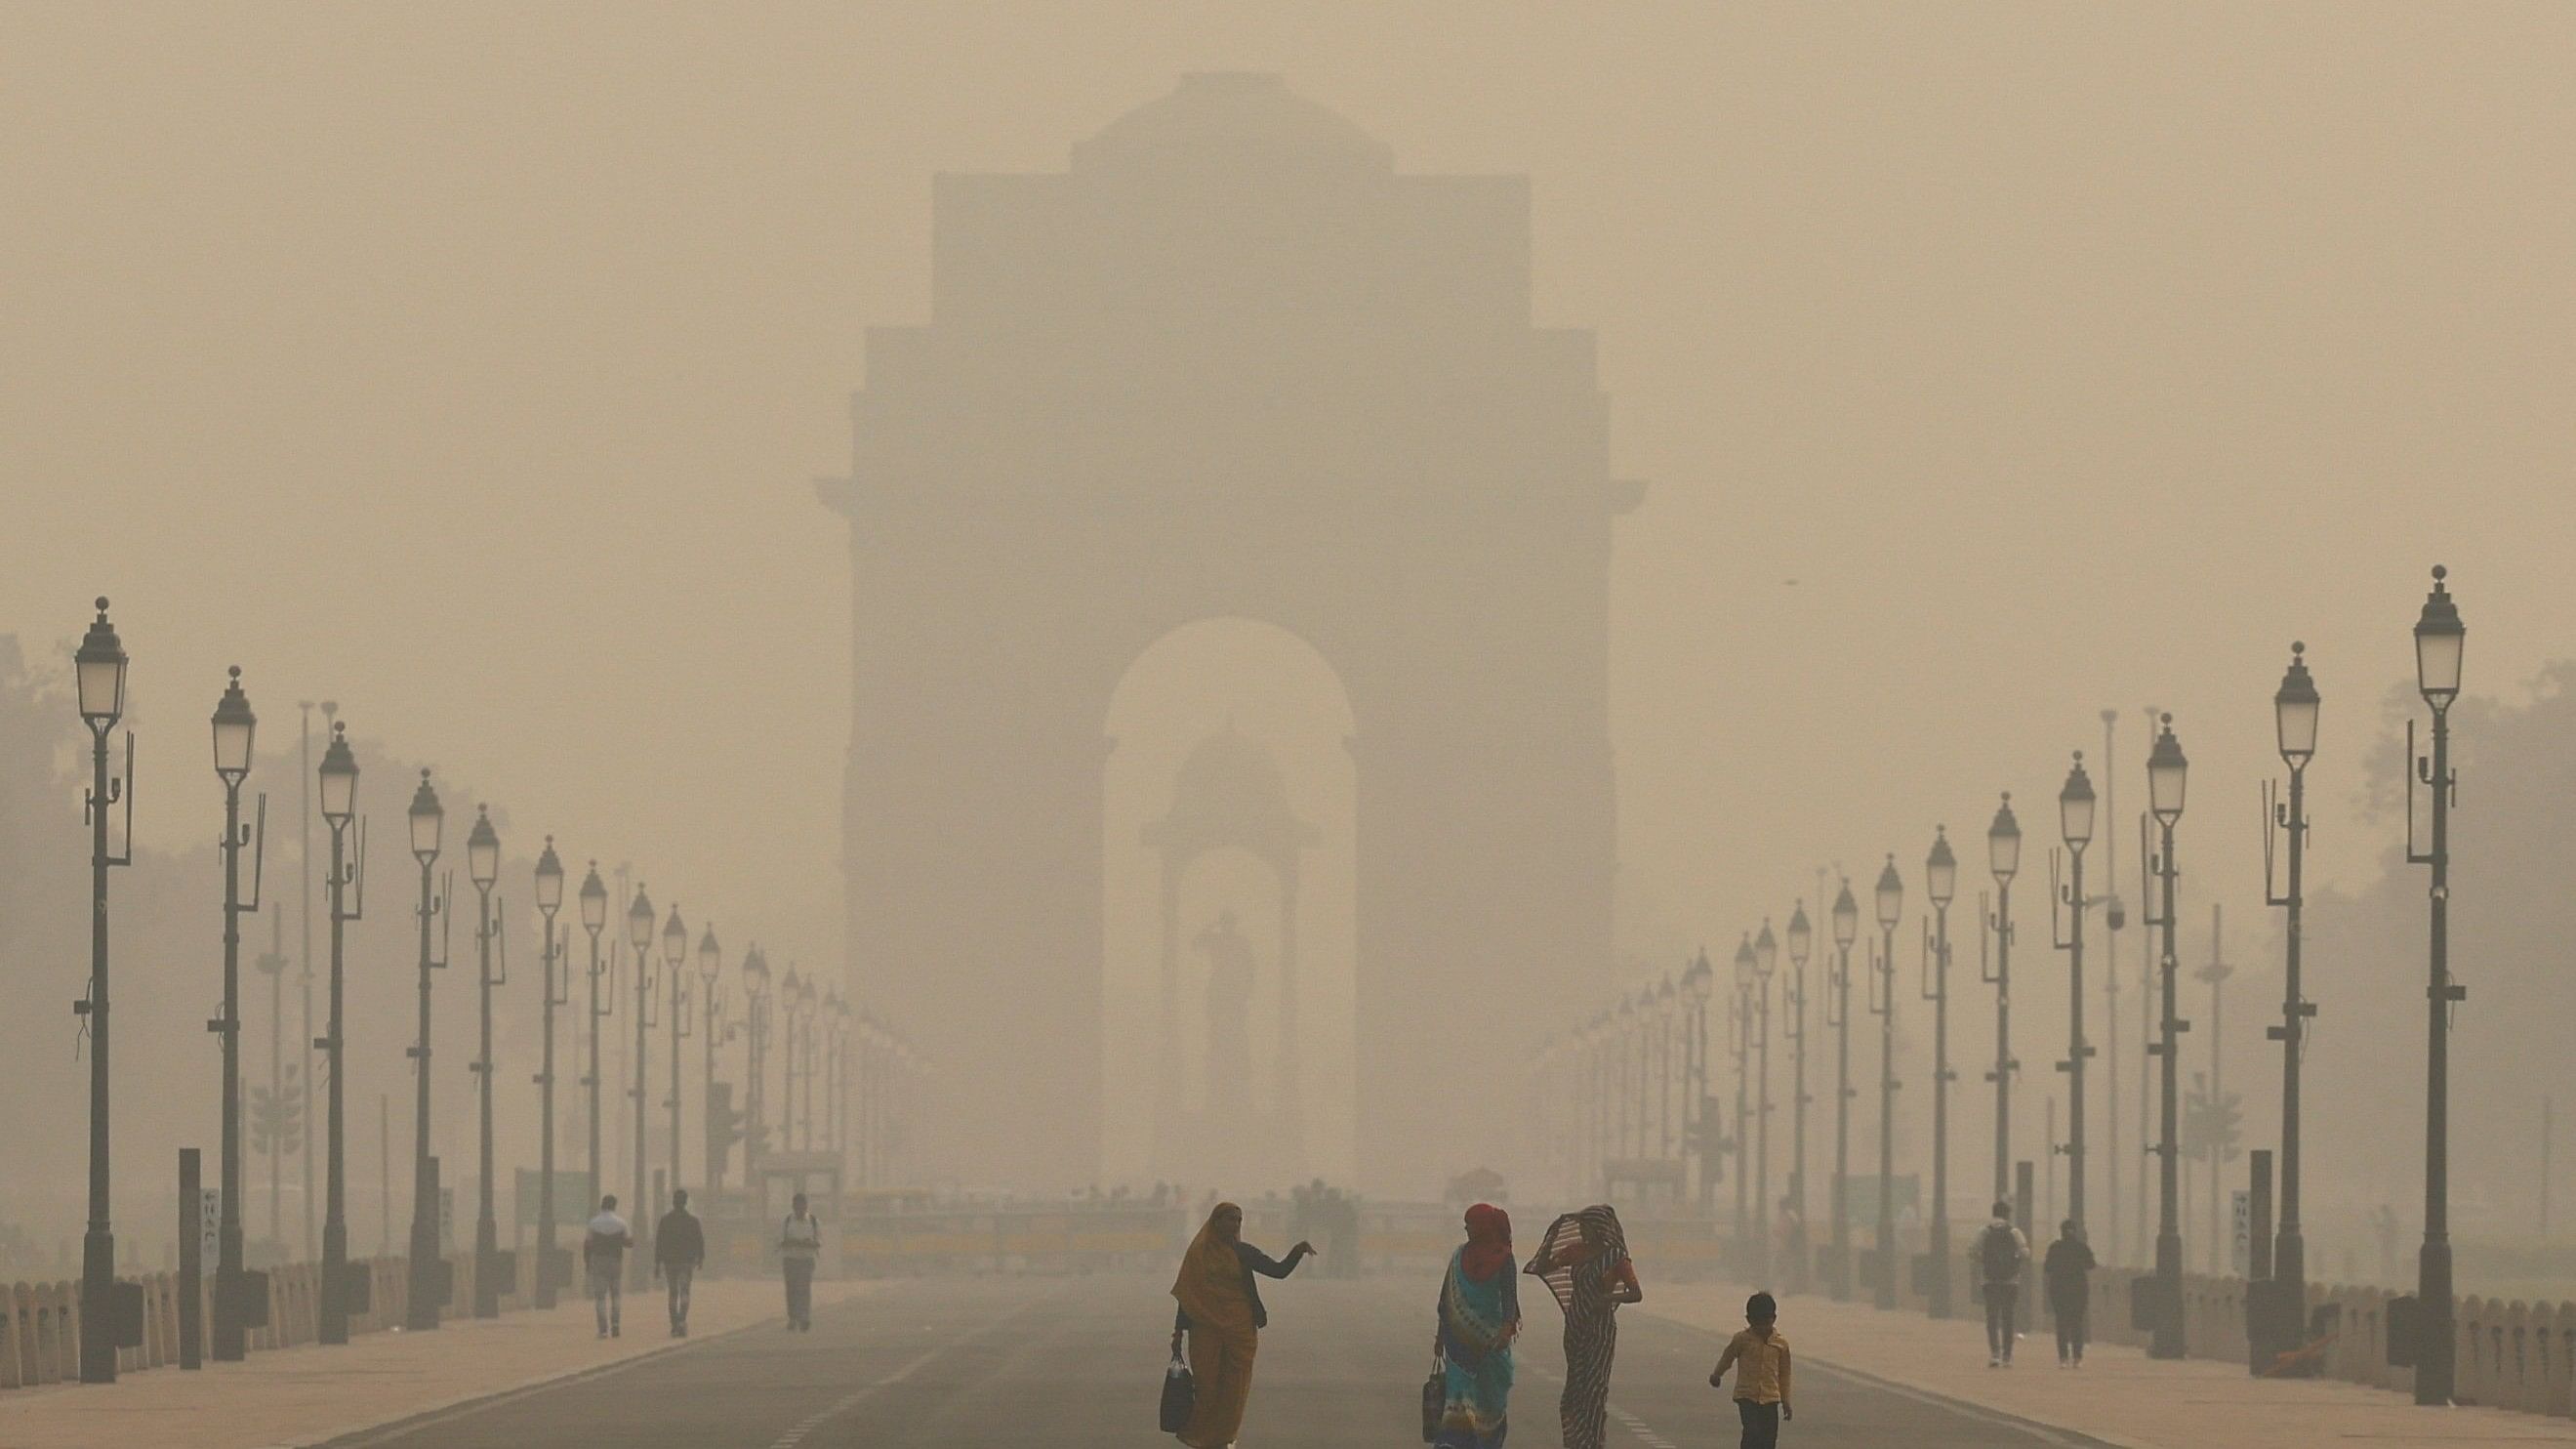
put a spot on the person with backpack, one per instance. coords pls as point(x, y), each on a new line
point(603, 1252)
point(2067, 1272)
point(2001, 1252)
point(800, 1245)
point(679, 1250)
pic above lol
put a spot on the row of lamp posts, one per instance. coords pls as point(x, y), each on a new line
point(852, 1049)
point(1604, 1060)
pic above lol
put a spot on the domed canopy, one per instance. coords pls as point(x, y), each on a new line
point(1229, 792)
point(1242, 116)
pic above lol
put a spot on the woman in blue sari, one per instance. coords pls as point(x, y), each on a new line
point(1480, 1314)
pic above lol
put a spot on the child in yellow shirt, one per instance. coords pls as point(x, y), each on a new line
point(1760, 1356)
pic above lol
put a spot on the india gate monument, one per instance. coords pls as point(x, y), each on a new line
point(1230, 364)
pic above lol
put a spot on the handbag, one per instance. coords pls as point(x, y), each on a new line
point(1435, 1398)
point(1180, 1396)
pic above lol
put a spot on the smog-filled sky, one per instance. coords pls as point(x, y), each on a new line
point(472, 366)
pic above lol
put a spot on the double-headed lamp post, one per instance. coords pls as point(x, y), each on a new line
point(594, 919)
point(1940, 886)
point(675, 956)
point(710, 966)
point(2166, 775)
point(234, 727)
point(1766, 959)
point(1838, 1008)
point(2294, 716)
point(2439, 636)
point(755, 1025)
point(1698, 985)
point(1746, 982)
point(339, 779)
point(1891, 909)
point(1802, 940)
point(2003, 858)
point(428, 1269)
point(789, 988)
point(483, 866)
point(639, 940)
point(808, 1008)
point(98, 669)
point(550, 879)
point(2075, 802)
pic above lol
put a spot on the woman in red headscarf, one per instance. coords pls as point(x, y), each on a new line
point(1480, 1314)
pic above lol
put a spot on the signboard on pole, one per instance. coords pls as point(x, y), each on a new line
point(210, 1223)
point(2241, 1238)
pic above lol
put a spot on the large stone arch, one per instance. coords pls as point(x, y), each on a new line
point(1231, 363)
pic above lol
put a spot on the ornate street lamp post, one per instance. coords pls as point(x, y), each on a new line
point(1698, 984)
point(234, 727)
point(1891, 908)
point(639, 936)
point(1766, 959)
point(1802, 939)
point(675, 955)
point(550, 879)
point(2294, 717)
point(99, 674)
point(2438, 639)
point(1940, 885)
point(483, 867)
point(428, 1269)
point(808, 1002)
point(339, 779)
point(2165, 779)
point(710, 965)
point(2003, 857)
point(594, 919)
point(2075, 826)
point(755, 1023)
point(1838, 1009)
point(1741, 1020)
point(790, 992)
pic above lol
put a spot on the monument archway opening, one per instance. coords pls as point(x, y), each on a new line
point(1228, 943)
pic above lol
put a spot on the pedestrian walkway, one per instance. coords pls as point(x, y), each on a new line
point(310, 1395)
point(2120, 1396)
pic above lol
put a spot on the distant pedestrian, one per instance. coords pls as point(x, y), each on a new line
point(1760, 1357)
point(603, 1253)
point(679, 1250)
point(2001, 1253)
point(1584, 1262)
point(2067, 1270)
point(1220, 1310)
point(1480, 1315)
point(800, 1243)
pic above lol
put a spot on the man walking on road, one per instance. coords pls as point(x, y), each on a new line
point(2067, 1273)
point(603, 1252)
point(800, 1242)
point(679, 1250)
point(2001, 1253)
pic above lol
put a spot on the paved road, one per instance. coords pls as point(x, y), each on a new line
point(1076, 1364)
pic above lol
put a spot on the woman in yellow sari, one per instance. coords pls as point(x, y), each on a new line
point(1221, 1311)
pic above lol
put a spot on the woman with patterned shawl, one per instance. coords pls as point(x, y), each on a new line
point(1584, 1262)
point(1221, 1311)
point(1480, 1314)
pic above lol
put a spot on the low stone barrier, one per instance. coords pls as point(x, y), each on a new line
point(40, 1322)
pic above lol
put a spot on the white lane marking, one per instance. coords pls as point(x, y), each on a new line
point(816, 1420)
point(847, 1402)
point(1638, 1427)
